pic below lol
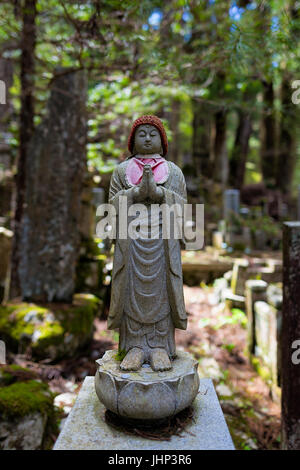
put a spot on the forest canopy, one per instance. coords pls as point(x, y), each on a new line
point(212, 70)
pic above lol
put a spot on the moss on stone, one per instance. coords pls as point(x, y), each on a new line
point(120, 355)
point(62, 328)
point(6, 378)
point(88, 300)
point(79, 318)
point(90, 252)
point(50, 334)
point(13, 319)
point(22, 398)
point(13, 373)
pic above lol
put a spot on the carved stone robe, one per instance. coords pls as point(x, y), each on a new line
point(147, 293)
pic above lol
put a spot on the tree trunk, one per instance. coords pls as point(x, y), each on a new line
point(49, 229)
point(201, 139)
point(268, 136)
point(289, 120)
point(220, 151)
point(290, 338)
point(287, 141)
point(220, 155)
point(174, 150)
point(28, 43)
point(6, 75)
point(240, 150)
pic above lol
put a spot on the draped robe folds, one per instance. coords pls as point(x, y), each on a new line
point(147, 300)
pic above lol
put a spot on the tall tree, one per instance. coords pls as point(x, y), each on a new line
point(220, 171)
point(268, 123)
point(268, 134)
point(201, 138)
point(289, 114)
point(26, 126)
point(240, 149)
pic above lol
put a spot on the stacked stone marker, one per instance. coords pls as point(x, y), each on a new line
point(231, 202)
point(254, 290)
point(231, 206)
point(290, 336)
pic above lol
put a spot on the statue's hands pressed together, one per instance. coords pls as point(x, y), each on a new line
point(148, 188)
point(155, 193)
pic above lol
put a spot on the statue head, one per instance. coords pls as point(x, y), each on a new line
point(147, 140)
point(148, 136)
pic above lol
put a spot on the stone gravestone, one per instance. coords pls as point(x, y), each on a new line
point(290, 350)
point(239, 276)
point(274, 298)
point(266, 337)
point(217, 240)
point(98, 196)
point(5, 253)
point(254, 290)
point(54, 177)
point(231, 202)
point(231, 208)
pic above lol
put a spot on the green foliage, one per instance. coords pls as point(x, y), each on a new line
point(263, 371)
point(237, 317)
point(135, 66)
point(229, 347)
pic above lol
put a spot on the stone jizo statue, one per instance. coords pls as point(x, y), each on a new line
point(147, 301)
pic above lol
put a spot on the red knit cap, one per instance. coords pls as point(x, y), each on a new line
point(154, 121)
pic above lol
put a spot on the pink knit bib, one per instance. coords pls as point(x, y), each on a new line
point(134, 170)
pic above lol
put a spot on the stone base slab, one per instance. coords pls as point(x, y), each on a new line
point(86, 429)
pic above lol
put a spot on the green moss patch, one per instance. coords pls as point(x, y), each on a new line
point(52, 330)
point(14, 373)
point(20, 399)
point(120, 355)
point(261, 369)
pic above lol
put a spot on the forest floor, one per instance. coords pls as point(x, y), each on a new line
point(216, 337)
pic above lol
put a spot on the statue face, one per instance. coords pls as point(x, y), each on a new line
point(147, 140)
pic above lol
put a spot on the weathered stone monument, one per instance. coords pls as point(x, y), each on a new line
point(151, 381)
point(147, 380)
point(255, 290)
point(290, 337)
point(231, 210)
point(231, 202)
